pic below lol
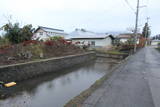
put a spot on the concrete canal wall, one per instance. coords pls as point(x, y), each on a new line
point(111, 55)
point(18, 72)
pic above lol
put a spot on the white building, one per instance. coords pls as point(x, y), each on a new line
point(155, 42)
point(83, 37)
point(43, 33)
point(126, 36)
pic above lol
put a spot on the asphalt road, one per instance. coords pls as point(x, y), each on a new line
point(134, 84)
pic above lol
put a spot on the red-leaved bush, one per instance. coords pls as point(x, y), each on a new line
point(49, 43)
point(69, 43)
point(65, 42)
point(77, 42)
point(3, 49)
point(62, 41)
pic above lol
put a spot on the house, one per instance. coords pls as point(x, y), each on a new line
point(44, 33)
point(155, 42)
point(83, 37)
point(126, 36)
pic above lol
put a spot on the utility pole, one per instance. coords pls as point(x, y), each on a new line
point(146, 31)
point(136, 27)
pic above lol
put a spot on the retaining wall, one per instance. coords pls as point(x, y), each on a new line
point(111, 55)
point(18, 72)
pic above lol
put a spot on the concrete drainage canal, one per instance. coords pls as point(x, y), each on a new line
point(55, 90)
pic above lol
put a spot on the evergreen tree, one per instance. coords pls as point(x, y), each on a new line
point(146, 31)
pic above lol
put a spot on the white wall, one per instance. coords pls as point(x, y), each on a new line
point(46, 35)
point(155, 42)
point(98, 42)
point(37, 35)
point(123, 40)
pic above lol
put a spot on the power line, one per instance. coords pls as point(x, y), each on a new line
point(129, 5)
point(147, 8)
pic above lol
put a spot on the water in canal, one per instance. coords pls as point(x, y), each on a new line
point(54, 90)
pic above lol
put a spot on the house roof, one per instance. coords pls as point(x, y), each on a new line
point(83, 34)
point(156, 40)
point(47, 29)
point(124, 36)
point(127, 35)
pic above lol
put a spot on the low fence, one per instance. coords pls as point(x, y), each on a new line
point(18, 72)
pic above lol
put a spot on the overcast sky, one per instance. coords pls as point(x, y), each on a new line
point(94, 15)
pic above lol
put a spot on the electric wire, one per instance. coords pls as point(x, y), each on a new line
point(129, 5)
point(147, 8)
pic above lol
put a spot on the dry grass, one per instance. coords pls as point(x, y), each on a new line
point(114, 52)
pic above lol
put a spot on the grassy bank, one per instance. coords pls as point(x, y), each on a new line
point(113, 52)
point(36, 50)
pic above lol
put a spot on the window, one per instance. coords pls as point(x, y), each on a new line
point(93, 43)
point(40, 33)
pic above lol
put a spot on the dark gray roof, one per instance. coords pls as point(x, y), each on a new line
point(50, 28)
point(47, 29)
point(80, 34)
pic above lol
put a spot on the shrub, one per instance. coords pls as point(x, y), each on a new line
point(4, 48)
point(49, 43)
point(15, 34)
point(36, 49)
point(56, 38)
point(63, 41)
point(25, 43)
point(77, 42)
point(4, 41)
point(31, 49)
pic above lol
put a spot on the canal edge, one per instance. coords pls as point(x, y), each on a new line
point(24, 71)
point(77, 101)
